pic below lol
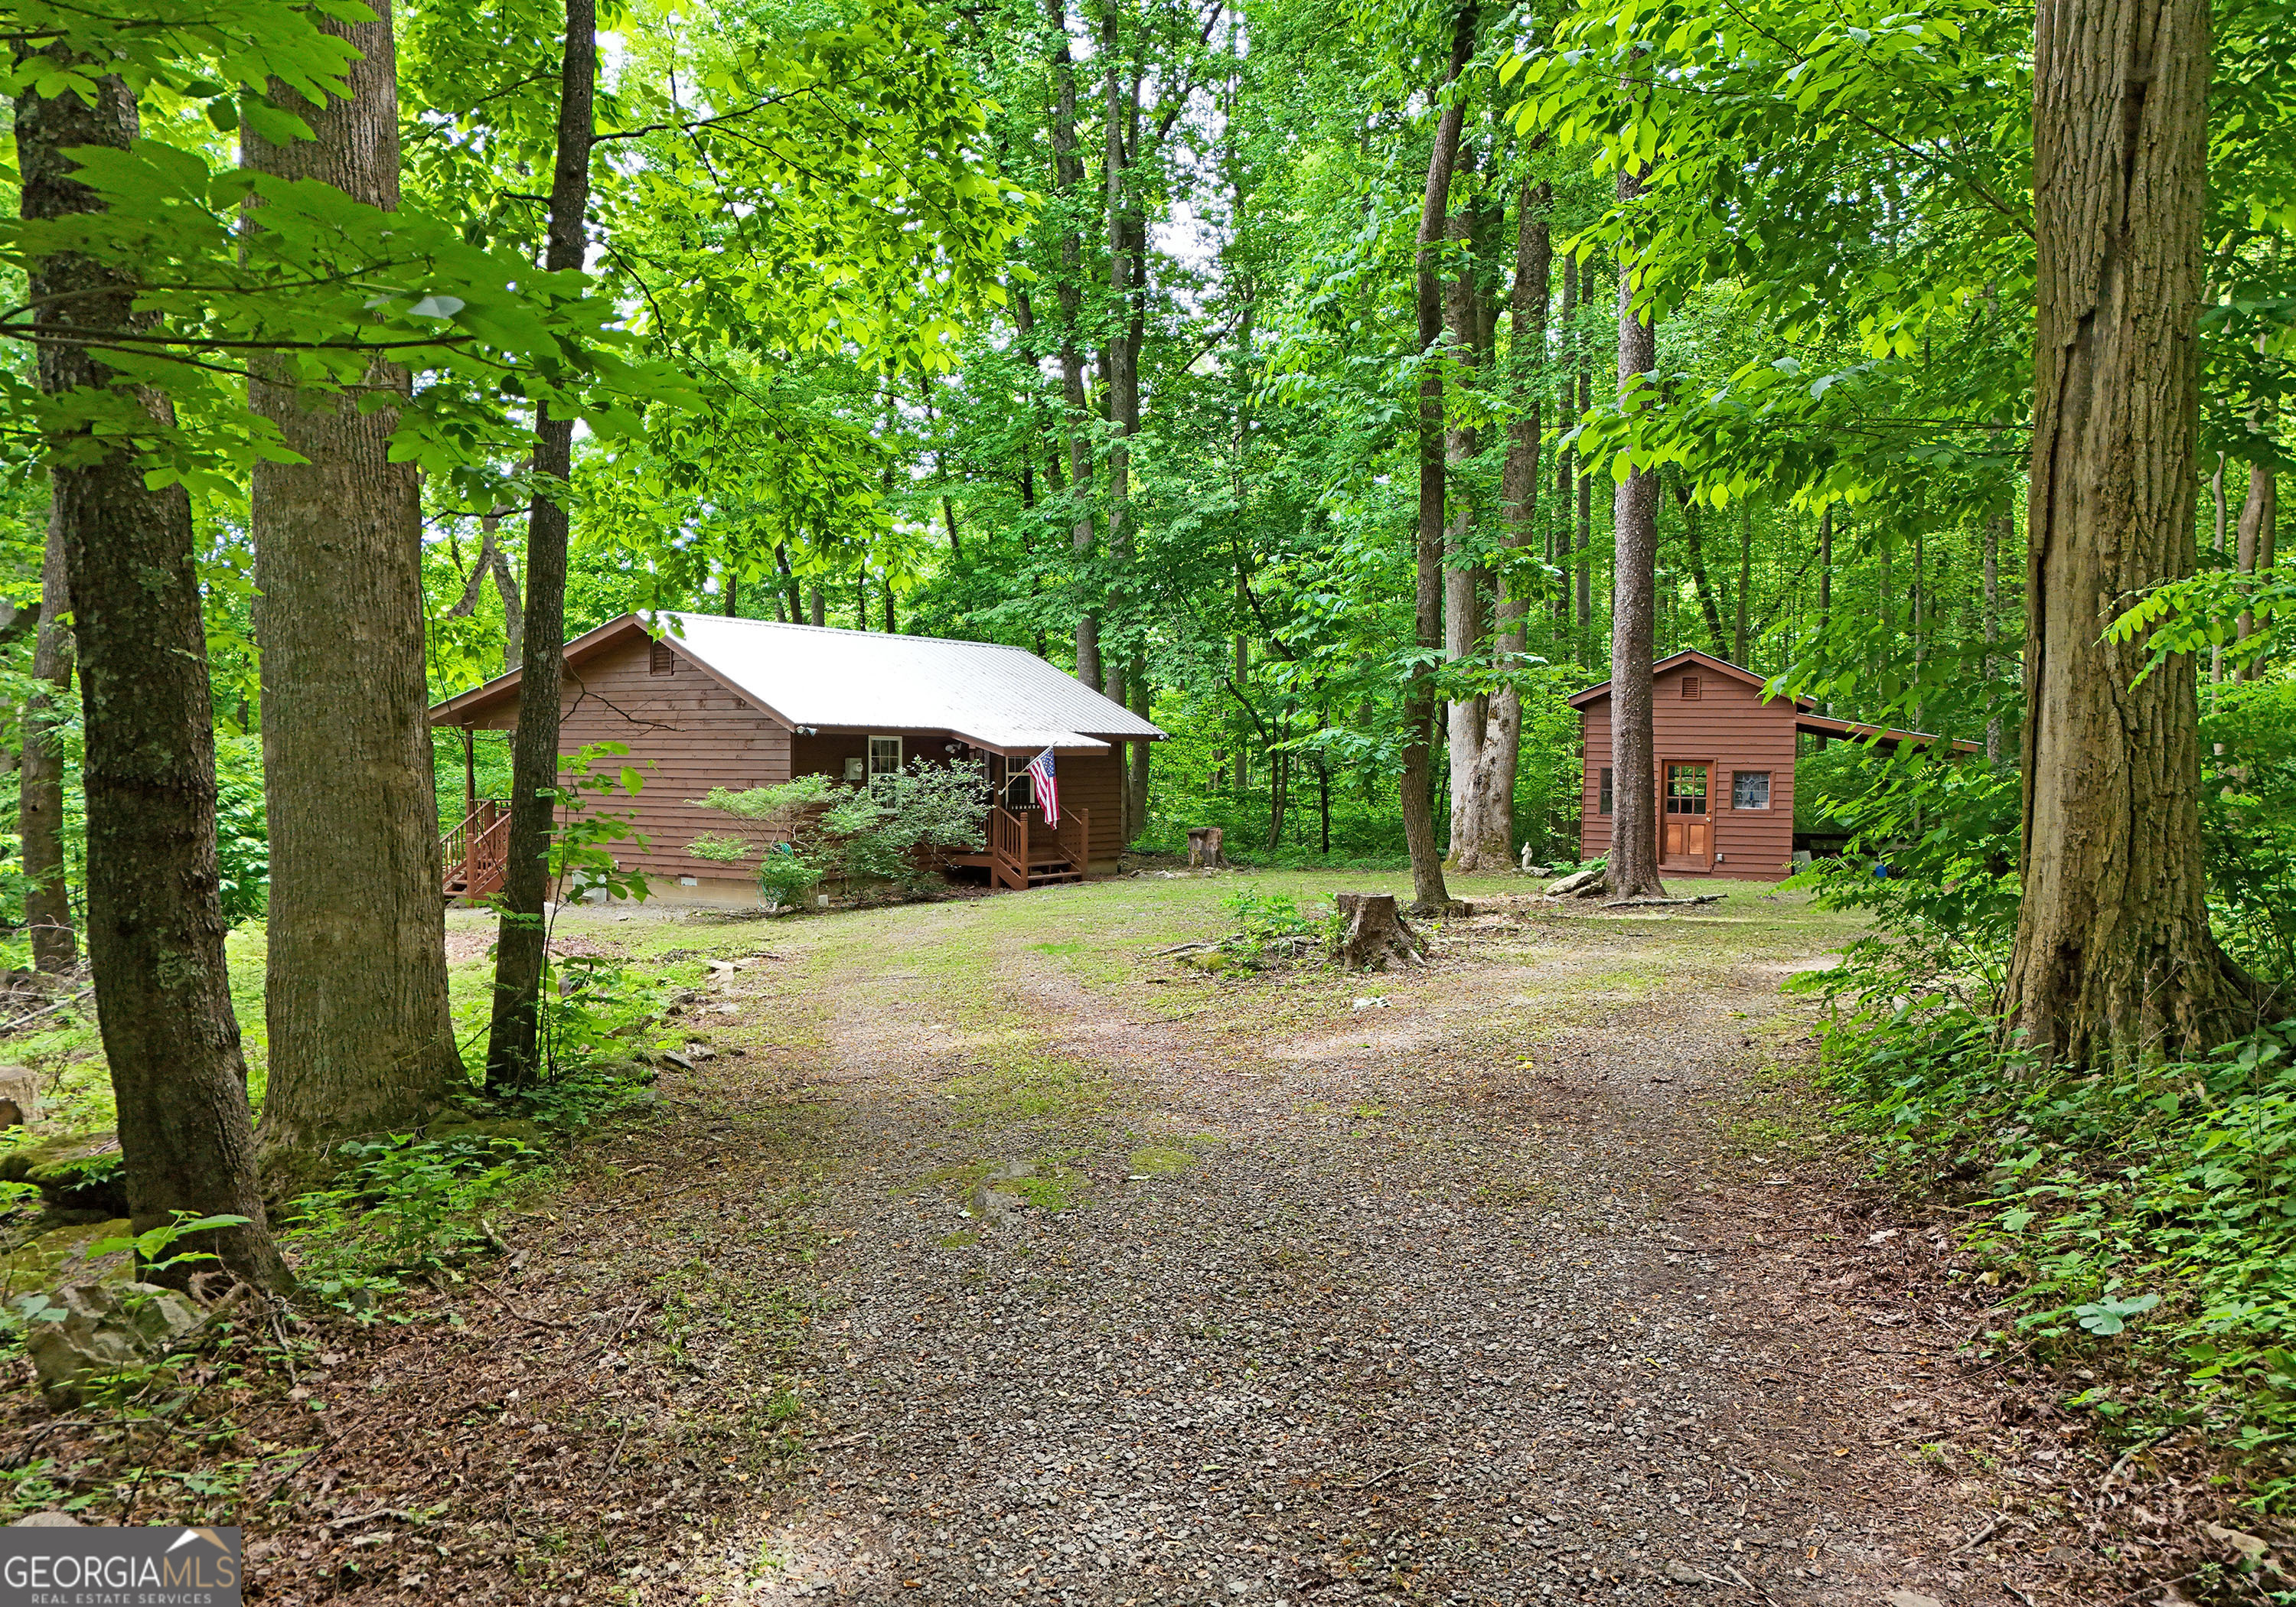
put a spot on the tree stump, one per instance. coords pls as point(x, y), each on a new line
point(1205, 846)
point(1373, 932)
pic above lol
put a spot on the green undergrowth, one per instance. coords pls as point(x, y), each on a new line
point(2145, 1219)
point(416, 1204)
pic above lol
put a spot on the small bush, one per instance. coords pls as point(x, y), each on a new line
point(890, 831)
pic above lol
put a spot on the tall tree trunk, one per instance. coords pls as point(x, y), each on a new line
point(1916, 599)
point(1489, 842)
point(1745, 582)
point(787, 597)
point(2259, 513)
point(1135, 772)
point(1428, 888)
point(155, 926)
point(2114, 963)
point(2216, 653)
point(514, 1046)
point(356, 869)
point(1694, 541)
point(1068, 173)
point(816, 606)
point(1996, 528)
point(1120, 117)
point(492, 565)
point(1566, 413)
point(1633, 872)
point(1825, 568)
point(40, 783)
point(1587, 505)
point(1464, 621)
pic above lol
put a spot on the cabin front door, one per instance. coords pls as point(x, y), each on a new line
point(1685, 820)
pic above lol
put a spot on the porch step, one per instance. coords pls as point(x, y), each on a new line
point(1039, 878)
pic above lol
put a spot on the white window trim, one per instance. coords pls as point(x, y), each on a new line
point(869, 756)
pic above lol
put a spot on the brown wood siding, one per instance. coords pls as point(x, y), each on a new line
point(1094, 782)
point(1729, 726)
point(687, 733)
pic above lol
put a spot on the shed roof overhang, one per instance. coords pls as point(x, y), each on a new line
point(1825, 726)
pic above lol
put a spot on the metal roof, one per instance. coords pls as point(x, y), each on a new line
point(823, 677)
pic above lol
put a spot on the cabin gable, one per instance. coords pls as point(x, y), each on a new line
point(687, 731)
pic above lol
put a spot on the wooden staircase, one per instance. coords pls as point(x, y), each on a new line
point(477, 852)
point(1023, 852)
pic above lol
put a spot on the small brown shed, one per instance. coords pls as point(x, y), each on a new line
point(1724, 760)
point(702, 701)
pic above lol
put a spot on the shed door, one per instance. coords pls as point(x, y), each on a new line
point(1686, 828)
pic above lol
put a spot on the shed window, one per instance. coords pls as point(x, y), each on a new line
point(660, 660)
point(1690, 689)
point(1602, 800)
point(884, 758)
point(1750, 790)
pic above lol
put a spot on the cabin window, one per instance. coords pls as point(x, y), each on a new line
point(1602, 791)
point(1690, 689)
point(1009, 783)
point(1750, 790)
point(660, 660)
point(884, 758)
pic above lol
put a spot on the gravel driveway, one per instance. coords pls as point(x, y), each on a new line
point(990, 1254)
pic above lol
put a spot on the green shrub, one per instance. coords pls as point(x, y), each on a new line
point(886, 832)
point(890, 830)
point(787, 869)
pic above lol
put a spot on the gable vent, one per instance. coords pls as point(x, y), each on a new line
point(1690, 689)
point(660, 660)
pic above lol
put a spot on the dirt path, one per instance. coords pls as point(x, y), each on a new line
point(1500, 1283)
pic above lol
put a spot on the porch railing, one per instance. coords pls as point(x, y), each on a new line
point(477, 851)
point(1020, 844)
point(1008, 848)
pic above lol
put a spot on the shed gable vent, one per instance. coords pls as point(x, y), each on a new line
point(1690, 689)
point(660, 660)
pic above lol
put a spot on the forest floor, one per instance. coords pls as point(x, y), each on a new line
point(1532, 1276)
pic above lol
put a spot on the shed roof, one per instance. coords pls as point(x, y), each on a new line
point(1805, 710)
point(1688, 655)
point(816, 677)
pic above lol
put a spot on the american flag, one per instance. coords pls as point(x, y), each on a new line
point(1048, 791)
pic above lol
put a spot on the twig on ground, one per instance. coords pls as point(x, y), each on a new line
point(2127, 1456)
point(310, 1457)
point(1980, 1537)
point(531, 1321)
point(1400, 1467)
point(650, 1199)
point(1660, 903)
point(15, 1021)
point(380, 1511)
point(618, 1443)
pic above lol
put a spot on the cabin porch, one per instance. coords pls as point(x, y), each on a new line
point(1022, 850)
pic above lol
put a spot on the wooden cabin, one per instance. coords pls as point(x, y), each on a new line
point(1723, 755)
point(702, 701)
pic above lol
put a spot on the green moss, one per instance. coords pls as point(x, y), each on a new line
point(1051, 1189)
point(1160, 1160)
